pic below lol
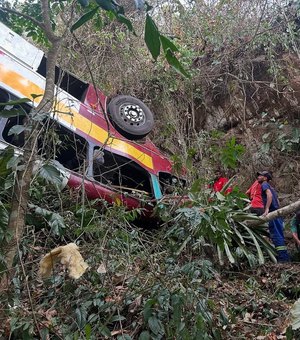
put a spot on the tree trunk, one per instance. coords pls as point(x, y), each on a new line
point(291, 208)
point(21, 188)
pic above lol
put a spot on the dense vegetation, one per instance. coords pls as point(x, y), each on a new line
point(202, 272)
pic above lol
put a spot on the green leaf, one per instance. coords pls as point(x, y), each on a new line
point(55, 221)
point(17, 101)
point(183, 245)
point(126, 22)
point(105, 331)
point(117, 318)
point(220, 196)
point(228, 253)
point(243, 216)
point(124, 337)
point(147, 312)
point(51, 174)
point(3, 218)
point(148, 7)
point(107, 5)
point(152, 37)
point(289, 333)
point(44, 332)
point(81, 314)
point(269, 248)
point(98, 22)
point(17, 129)
point(173, 61)
point(12, 113)
point(156, 326)
point(220, 255)
point(34, 96)
point(88, 331)
point(86, 17)
point(167, 44)
point(261, 259)
point(5, 156)
point(83, 3)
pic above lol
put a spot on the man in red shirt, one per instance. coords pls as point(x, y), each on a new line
point(254, 193)
point(219, 182)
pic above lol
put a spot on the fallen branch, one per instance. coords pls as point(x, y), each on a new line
point(291, 208)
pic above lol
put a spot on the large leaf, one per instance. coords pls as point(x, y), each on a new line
point(81, 314)
point(148, 308)
point(156, 326)
point(267, 246)
point(54, 220)
point(261, 259)
point(152, 37)
point(12, 113)
point(108, 5)
point(86, 17)
point(51, 174)
point(5, 156)
point(145, 335)
point(174, 62)
point(83, 3)
point(228, 253)
point(167, 44)
point(17, 129)
point(16, 102)
point(126, 22)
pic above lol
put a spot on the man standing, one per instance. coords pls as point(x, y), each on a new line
point(271, 203)
point(254, 193)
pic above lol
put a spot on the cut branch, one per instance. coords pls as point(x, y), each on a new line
point(289, 209)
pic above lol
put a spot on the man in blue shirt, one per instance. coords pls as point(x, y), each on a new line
point(271, 203)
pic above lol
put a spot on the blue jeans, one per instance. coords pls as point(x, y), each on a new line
point(277, 237)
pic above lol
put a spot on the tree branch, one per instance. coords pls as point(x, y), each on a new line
point(47, 21)
point(25, 16)
point(291, 208)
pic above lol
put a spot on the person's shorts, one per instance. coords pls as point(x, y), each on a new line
point(257, 211)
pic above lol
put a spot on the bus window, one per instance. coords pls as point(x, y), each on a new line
point(169, 183)
point(119, 171)
point(65, 146)
point(14, 139)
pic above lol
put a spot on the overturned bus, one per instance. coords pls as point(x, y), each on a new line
point(99, 142)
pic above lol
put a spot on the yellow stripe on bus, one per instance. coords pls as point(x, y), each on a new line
point(72, 117)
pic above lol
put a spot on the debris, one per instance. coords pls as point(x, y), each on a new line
point(101, 269)
point(295, 313)
point(67, 255)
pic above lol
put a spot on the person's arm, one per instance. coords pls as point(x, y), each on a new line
point(296, 238)
point(269, 201)
point(294, 230)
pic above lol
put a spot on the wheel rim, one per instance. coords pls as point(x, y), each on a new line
point(132, 114)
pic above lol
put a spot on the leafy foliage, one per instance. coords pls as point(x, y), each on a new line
point(219, 221)
point(160, 283)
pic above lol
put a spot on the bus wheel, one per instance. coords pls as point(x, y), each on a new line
point(130, 116)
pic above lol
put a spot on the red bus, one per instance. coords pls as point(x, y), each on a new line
point(97, 142)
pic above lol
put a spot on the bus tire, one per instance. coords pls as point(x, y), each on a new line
point(130, 116)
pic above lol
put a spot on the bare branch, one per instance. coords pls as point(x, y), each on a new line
point(291, 208)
